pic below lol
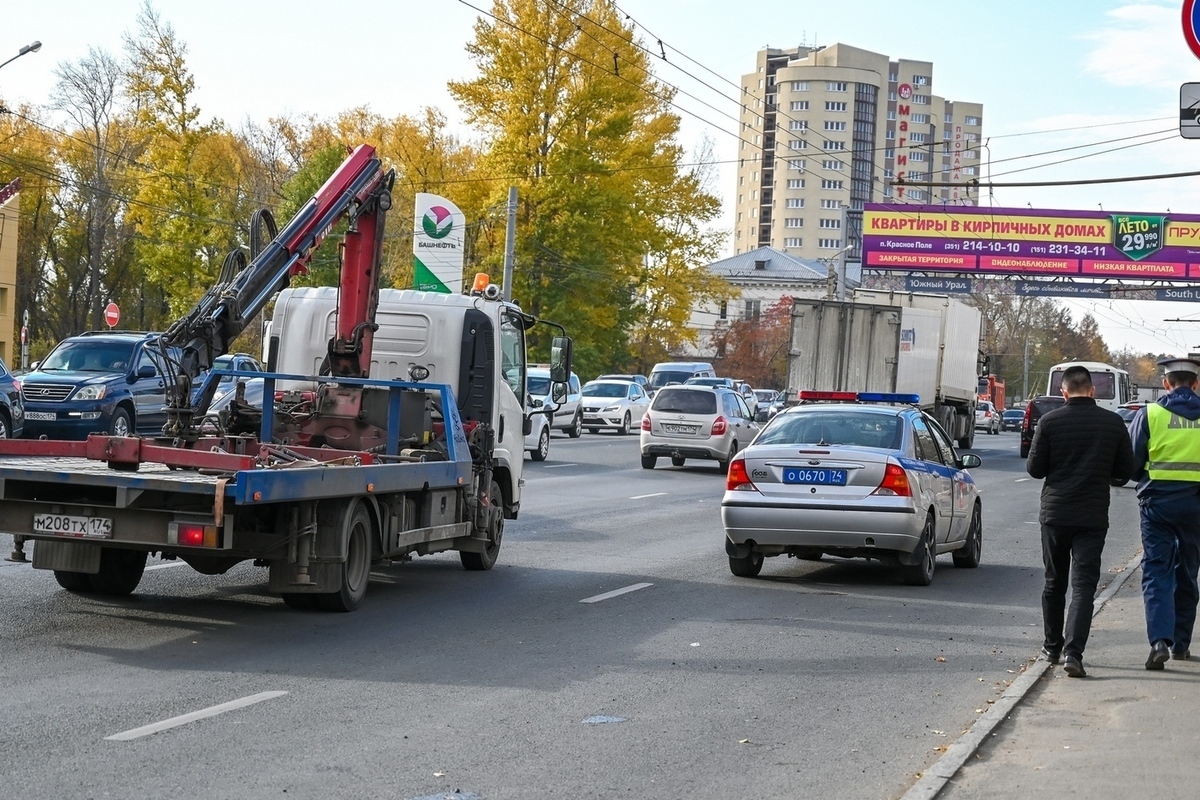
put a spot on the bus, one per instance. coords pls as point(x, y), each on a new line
point(1113, 388)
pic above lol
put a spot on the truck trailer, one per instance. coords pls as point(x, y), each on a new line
point(908, 343)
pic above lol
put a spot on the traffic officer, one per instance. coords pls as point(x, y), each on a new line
point(1166, 446)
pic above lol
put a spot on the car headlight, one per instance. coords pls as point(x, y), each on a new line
point(91, 393)
point(611, 408)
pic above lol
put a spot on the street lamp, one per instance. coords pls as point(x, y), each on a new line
point(32, 47)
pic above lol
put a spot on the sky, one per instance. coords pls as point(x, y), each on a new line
point(1104, 69)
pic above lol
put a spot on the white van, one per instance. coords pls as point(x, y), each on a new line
point(667, 372)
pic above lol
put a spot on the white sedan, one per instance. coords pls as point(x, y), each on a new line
point(613, 405)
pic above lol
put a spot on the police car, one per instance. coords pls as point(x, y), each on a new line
point(854, 475)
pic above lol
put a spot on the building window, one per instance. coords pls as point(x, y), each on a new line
point(741, 180)
point(916, 194)
point(838, 106)
point(793, 242)
point(832, 145)
point(794, 202)
point(798, 105)
point(799, 86)
point(739, 216)
point(891, 97)
point(834, 126)
point(770, 101)
point(892, 77)
point(770, 80)
point(831, 224)
point(972, 120)
point(831, 184)
point(739, 234)
point(968, 170)
point(754, 177)
point(835, 86)
point(724, 312)
point(889, 152)
point(754, 213)
point(916, 155)
point(971, 137)
point(797, 163)
point(829, 244)
point(795, 183)
point(920, 80)
point(890, 135)
point(797, 125)
point(754, 194)
point(891, 115)
point(797, 144)
point(752, 309)
point(920, 119)
point(920, 99)
point(793, 222)
point(834, 165)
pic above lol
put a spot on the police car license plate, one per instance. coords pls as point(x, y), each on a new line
point(819, 477)
point(78, 527)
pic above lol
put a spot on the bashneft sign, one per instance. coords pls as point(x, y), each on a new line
point(438, 245)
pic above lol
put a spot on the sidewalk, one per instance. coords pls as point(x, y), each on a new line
point(1123, 731)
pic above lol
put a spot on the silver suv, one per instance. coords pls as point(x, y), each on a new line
point(569, 414)
point(711, 423)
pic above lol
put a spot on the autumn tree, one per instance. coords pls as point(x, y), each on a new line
point(573, 116)
point(756, 349)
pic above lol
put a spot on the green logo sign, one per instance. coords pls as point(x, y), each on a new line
point(437, 222)
point(1138, 235)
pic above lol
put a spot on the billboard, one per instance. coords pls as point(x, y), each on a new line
point(1031, 242)
point(438, 245)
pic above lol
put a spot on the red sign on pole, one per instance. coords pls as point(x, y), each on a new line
point(1191, 26)
point(112, 315)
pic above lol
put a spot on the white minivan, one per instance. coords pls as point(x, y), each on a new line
point(668, 372)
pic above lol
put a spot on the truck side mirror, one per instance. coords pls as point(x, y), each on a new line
point(560, 360)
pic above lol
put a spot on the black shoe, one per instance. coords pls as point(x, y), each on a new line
point(1053, 656)
point(1073, 666)
point(1181, 655)
point(1159, 653)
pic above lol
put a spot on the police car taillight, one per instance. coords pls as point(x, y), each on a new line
point(738, 479)
point(894, 483)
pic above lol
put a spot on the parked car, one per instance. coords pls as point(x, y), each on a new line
point(230, 361)
point(986, 417)
point(537, 441)
point(613, 405)
point(1033, 412)
point(640, 380)
point(777, 405)
point(569, 414)
point(1011, 419)
point(97, 382)
point(748, 394)
point(726, 383)
point(696, 422)
point(12, 408)
point(856, 481)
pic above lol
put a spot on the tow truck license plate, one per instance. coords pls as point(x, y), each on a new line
point(820, 477)
point(79, 527)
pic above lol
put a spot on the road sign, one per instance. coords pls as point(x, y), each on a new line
point(1191, 26)
point(1189, 110)
point(112, 315)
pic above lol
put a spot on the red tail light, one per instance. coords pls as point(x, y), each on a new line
point(646, 421)
point(894, 483)
point(720, 425)
point(738, 478)
point(1027, 419)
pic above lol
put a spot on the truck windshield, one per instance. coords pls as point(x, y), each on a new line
point(88, 355)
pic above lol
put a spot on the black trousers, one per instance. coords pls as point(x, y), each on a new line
point(1072, 558)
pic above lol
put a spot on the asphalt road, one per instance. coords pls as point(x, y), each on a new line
point(817, 679)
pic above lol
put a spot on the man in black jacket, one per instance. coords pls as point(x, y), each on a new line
point(1081, 450)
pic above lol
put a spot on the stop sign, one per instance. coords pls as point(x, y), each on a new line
point(112, 315)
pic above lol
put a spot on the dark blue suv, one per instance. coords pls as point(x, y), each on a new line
point(97, 382)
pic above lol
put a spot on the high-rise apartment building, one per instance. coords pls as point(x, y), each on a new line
point(827, 129)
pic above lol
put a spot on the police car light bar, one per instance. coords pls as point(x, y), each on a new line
point(889, 397)
point(860, 397)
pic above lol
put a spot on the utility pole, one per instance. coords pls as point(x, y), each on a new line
point(510, 242)
point(1025, 377)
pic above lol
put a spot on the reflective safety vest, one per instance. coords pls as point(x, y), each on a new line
point(1174, 446)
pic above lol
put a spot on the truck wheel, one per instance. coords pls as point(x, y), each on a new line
point(576, 429)
point(487, 559)
point(356, 569)
point(542, 450)
point(120, 571)
point(73, 581)
point(968, 441)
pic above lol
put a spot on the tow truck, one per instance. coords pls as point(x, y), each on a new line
point(342, 468)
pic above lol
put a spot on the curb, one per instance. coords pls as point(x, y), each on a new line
point(937, 776)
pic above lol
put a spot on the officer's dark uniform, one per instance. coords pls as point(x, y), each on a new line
point(1166, 444)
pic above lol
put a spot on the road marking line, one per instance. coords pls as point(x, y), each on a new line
point(556, 466)
point(1022, 480)
point(616, 593)
point(644, 496)
point(168, 565)
point(175, 722)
